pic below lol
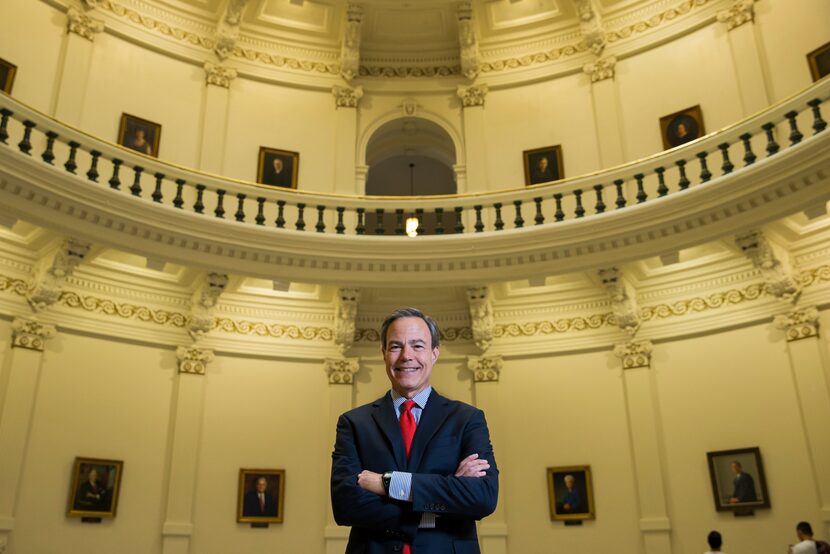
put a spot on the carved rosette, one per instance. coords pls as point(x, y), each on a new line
point(601, 69)
point(341, 370)
point(83, 25)
point(30, 334)
point(472, 96)
point(739, 13)
point(193, 360)
point(798, 324)
point(345, 97)
point(219, 75)
point(634, 354)
point(486, 369)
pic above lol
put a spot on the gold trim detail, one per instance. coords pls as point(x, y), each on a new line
point(276, 330)
point(448, 334)
point(124, 311)
point(692, 305)
point(409, 71)
point(17, 286)
point(533, 328)
point(155, 25)
point(654, 20)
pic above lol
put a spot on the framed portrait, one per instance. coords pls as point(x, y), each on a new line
point(278, 168)
point(94, 489)
point(543, 165)
point(738, 480)
point(682, 127)
point(819, 60)
point(261, 496)
point(570, 493)
point(139, 135)
point(7, 72)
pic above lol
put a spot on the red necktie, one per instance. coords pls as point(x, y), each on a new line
point(407, 422)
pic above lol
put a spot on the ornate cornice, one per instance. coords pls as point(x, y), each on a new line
point(486, 369)
point(448, 334)
point(345, 97)
point(274, 330)
point(219, 75)
point(472, 96)
point(409, 71)
point(193, 360)
point(634, 354)
point(799, 324)
point(31, 334)
point(50, 274)
point(601, 69)
point(655, 20)
point(737, 14)
point(341, 370)
point(82, 24)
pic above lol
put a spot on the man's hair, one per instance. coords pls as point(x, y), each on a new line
point(714, 539)
point(737, 463)
point(805, 528)
point(410, 312)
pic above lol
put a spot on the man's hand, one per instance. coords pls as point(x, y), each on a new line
point(471, 466)
point(371, 481)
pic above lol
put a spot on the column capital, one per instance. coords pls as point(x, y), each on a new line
point(30, 334)
point(737, 14)
point(219, 75)
point(601, 69)
point(82, 24)
point(345, 97)
point(486, 369)
point(193, 360)
point(472, 96)
point(341, 370)
point(799, 324)
point(634, 354)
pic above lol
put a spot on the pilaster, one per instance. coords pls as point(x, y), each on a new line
point(475, 146)
point(346, 102)
point(71, 90)
point(606, 107)
point(218, 80)
point(739, 22)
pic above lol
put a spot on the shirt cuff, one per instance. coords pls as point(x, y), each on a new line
point(400, 487)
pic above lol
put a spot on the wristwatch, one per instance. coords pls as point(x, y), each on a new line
point(387, 480)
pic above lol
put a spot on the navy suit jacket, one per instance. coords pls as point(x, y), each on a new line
point(369, 437)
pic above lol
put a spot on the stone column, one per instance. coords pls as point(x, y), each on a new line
point(486, 371)
point(749, 70)
point(215, 119)
point(340, 373)
point(345, 146)
point(646, 443)
point(475, 146)
point(74, 76)
point(810, 375)
point(186, 417)
point(606, 110)
point(26, 358)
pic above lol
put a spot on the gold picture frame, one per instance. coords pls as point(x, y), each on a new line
point(819, 62)
point(277, 168)
point(7, 73)
point(543, 165)
point(681, 127)
point(571, 493)
point(139, 134)
point(250, 508)
point(94, 489)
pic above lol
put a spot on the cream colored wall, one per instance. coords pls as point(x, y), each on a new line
point(5, 344)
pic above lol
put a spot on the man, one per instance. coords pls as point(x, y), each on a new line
point(92, 494)
point(571, 502)
point(412, 471)
point(542, 172)
point(743, 485)
point(804, 532)
point(259, 502)
point(715, 542)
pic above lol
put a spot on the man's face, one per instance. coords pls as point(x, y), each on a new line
point(139, 135)
point(543, 164)
point(261, 485)
point(277, 165)
point(93, 475)
point(569, 483)
point(681, 130)
point(736, 468)
point(409, 355)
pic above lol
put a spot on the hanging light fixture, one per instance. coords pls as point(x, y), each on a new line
point(412, 221)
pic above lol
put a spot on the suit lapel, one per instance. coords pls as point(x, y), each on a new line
point(384, 416)
point(432, 418)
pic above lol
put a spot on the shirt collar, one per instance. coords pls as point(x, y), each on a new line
point(420, 398)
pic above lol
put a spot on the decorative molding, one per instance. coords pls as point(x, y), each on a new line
point(472, 96)
point(345, 314)
point(345, 97)
point(481, 316)
point(810, 277)
point(341, 370)
point(82, 24)
point(409, 71)
point(634, 354)
point(193, 360)
point(447, 334)
point(151, 24)
point(486, 369)
point(50, 274)
point(799, 324)
point(532, 59)
point(274, 330)
point(410, 106)
point(203, 304)
point(697, 304)
point(227, 30)
point(467, 42)
point(533, 328)
point(623, 300)
point(656, 20)
point(736, 15)
point(590, 26)
point(219, 75)
point(350, 49)
point(601, 69)
point(781, 282)
point(31, 334)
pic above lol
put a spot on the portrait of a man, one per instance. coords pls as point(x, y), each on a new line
point(819, 61)
point(139, 134)
point(543, 165)
point(570, 493)
point(278, 168)
point(682, 127)
point(260, 495)
point(738, 479)
point(95, 487)
point(7, 73)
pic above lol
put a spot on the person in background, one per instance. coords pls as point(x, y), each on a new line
point(715, 541)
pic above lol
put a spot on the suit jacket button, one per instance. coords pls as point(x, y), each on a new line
point(396, 548)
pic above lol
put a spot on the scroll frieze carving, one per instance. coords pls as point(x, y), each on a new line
point(467, 42)
point(736, 15)
point(204, 303)
point(780, 281)
point(50, 274)
point(634, 354)
point(601, 69)
point(623, 300)
point(486, 369)
point(350, 51)
point(345, 315)
point(31, 334)
point(193, 360)
point(341, 370)
point(799, 324)
point(345, 97)
point(219, 75)
point(472, 96)
point(481, 316)
point(82, 24)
